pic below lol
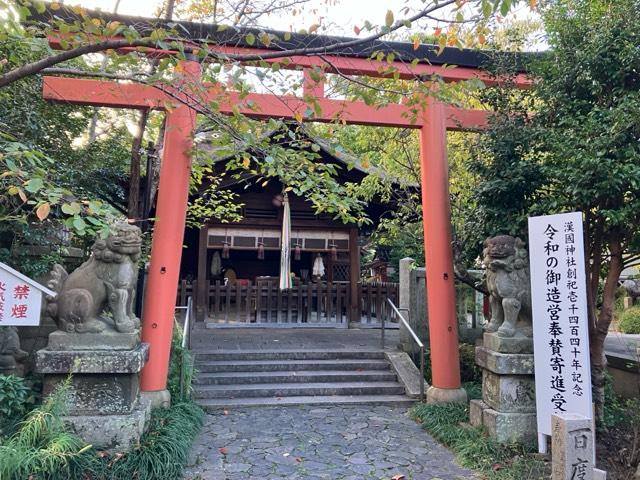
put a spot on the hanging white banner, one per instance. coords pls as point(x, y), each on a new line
point(560, 326)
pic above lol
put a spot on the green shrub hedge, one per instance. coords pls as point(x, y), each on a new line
point(630, 320)
point(469, 371)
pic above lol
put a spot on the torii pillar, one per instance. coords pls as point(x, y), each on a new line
point(436, 217)
point(166, 246)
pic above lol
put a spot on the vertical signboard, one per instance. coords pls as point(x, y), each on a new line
point(560, 326)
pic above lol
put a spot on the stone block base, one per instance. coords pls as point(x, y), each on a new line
point(509, 393)
point(104, 407)
point(504, 363)
point(103, 382)
point(110, 432)
point(516, 344)
point(504, 427)
point(107, 340)
point(476, 408)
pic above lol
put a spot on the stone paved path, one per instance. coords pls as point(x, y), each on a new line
point(310, 443)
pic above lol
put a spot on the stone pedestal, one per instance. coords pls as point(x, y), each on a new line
point(104, 405)
point(508, 405)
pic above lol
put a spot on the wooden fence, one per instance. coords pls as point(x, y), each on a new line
point(319, 304)
point(373, 300)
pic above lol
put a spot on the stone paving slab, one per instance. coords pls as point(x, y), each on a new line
point(312, 443)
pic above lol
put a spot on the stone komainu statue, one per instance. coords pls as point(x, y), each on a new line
point(507, 264)
point(103, 284)
point(10, 351)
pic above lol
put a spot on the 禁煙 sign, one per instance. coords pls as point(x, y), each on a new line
point(20, 298)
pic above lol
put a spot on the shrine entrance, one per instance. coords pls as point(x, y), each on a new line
point(430, 116)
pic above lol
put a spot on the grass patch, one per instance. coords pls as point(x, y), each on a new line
point(449, 425)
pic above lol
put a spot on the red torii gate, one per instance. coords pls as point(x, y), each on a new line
point(433, 122)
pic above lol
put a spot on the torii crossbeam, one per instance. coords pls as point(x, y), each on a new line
point(433, 120)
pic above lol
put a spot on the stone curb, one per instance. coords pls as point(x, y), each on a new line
point(408, 374)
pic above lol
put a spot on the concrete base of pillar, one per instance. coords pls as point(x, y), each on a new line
point(156, 398)
point(446, 395)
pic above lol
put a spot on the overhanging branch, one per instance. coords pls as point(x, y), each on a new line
point(116, 44)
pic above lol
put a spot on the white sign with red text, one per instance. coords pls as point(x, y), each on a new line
point(20, 298)
point(560, 324)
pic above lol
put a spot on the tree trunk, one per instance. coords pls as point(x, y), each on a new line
point(134, 171)
point(598, 331)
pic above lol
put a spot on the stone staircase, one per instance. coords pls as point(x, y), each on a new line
point(257, 378)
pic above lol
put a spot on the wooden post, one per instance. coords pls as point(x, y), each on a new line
point(354, 275)
point(202, 285)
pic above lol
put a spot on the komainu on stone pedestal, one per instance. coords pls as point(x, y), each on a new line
point(506, 261)
point(103, 286)
point(10, 351)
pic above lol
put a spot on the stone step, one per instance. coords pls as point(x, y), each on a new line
point(300, 389)
point(302, 376)
point(289, 365)
point(215, 405)
point(228, 355)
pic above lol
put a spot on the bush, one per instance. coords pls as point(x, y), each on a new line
point(630, 321)
point(469, 371)
point(615, 411)
point(15, 400)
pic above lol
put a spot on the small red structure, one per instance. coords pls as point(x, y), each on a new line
point(433, 121)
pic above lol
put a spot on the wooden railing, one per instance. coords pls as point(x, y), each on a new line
point(313, 304)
